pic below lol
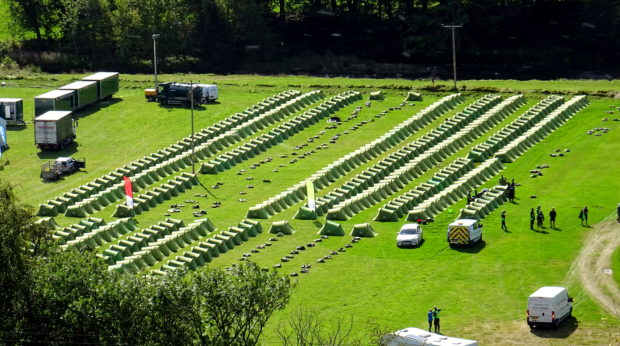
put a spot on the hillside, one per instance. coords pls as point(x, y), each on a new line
point(265, 136)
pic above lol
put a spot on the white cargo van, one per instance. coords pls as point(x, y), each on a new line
point(464, 232)
point(417, 336)
point(548, 306)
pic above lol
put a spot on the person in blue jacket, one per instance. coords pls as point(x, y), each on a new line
point(430, 319)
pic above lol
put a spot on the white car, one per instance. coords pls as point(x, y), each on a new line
point(409, 235)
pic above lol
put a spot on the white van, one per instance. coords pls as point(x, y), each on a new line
point(464, 232)
point(209, 91)
point(417, 336)
point(549, 306)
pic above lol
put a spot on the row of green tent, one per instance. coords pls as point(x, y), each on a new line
point(532, 136)
point(139, 239)
point(279, 134)
point(60, 203)
point(158, 195)
point(157, 251)
point(398, 169)
point(453, 193)
point(176, 163)
point(140, 181)
point(342, 166)
point(206, 250)
point(329, 228)
point(278, 114)
point(399, 206)
point(484, 205)
point(103, 234)
point(509, 132)
point(65, 234)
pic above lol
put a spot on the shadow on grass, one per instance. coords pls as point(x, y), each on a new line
point(470, 248)
point(16, 128)
point(68, 150)
point(541, 231)
point(172, 107)
point(317, 223)
point(206, 189)
point(94, 108)
point(563, 331)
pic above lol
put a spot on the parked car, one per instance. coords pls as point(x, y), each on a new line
point(409, 235)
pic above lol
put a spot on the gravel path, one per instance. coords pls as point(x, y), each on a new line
point(594, 257)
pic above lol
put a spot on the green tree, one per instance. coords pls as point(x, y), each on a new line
point(236, 304)
point(38, 16)
point(17, 230)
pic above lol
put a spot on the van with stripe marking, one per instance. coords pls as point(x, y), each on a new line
point(464, 232)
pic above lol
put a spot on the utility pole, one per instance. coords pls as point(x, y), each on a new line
point(191, 86)
point(453, 50)
point(155, 37)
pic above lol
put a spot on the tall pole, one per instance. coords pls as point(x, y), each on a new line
point(155, 37)
point(453, 27)
point(191, 85)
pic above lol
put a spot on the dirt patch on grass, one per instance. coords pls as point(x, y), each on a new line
point(570, 332)
point(593, 259)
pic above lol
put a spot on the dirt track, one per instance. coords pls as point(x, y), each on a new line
point(595, 256)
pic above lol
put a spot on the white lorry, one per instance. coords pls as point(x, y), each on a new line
point(549, 306)
point(417, 336)
point(209, 91)
point(464, 232)
point(54, 130)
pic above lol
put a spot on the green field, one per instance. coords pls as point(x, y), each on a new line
point(482, 290)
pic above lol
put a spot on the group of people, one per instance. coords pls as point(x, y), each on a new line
point(539, 217)
point(510, 189)
point(433, 319)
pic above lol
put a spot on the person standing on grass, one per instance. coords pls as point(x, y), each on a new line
point(437, 325)
point(552, 215)
point(618, 212)
point(430, 319)
point(585, 214)
point(540, 217)
point(504, 221)
point(532, 218)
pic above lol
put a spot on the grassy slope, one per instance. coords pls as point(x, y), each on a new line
point(486, 285)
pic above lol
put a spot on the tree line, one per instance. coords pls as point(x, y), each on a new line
point(65, 297)
point(290, 35)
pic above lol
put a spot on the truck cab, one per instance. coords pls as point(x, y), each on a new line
point(464, 232)
point(179, 93)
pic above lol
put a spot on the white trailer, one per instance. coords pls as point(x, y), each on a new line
point(53, 130)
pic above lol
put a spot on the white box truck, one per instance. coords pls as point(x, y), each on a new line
point(417, 336)
point(549, 306)
point(464, 232)
point(209, 91)
point(53, 130)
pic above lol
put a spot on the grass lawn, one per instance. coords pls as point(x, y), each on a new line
point(482, 290)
